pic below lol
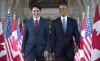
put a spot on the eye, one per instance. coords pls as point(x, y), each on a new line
point(37, 10)
point(63, 8)
point(59, 8)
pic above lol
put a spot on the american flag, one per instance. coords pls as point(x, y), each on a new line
point(8, 42)
point(19, 42)
point(88, 31)
point(88, 39)
point(19, 36)
point(18, 32)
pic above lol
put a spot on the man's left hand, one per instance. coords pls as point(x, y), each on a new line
point(76, 48)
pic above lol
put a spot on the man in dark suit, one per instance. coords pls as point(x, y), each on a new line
point(63, 30)
point(36, 39)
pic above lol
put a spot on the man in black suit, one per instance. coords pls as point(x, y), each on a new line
point(36, 39)
point(63, 30)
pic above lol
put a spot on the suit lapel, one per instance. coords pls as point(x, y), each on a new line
point(32, 24)
point(60, 23)
point(68, 24)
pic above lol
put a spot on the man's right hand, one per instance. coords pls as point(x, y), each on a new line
point(53, 57)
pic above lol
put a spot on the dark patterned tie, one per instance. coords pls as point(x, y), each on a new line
point(36, 25)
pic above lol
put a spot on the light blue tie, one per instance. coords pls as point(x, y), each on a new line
point(64, 25)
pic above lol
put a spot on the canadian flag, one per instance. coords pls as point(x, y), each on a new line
point(15, 46)
point(95, 52)
point(2, 45)
point(79, 56)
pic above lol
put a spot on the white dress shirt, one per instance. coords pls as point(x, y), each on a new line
point(36, 19)
point(65, 20)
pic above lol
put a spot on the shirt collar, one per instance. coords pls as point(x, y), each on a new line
point(64, 18)
point(36, 18)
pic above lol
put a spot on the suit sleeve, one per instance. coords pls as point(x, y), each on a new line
point(53, 37)
point(25, 36)
point(76, 33)
point(47, 36)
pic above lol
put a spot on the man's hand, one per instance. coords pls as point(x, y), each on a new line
point(53, 57)
point(76, 48)
point(23, 55)
point(46, 53)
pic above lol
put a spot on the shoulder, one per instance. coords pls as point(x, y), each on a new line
point(28, 21)
point(44, 20)
point(71, 19)
point(56, 20)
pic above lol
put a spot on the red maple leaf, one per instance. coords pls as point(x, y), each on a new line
point(15, 44)
point(96, 40)
point(1, 47)
point(1, 38)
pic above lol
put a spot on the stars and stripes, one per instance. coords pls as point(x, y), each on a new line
point(18, 32)
point(87, 40)
point(19, 37)
point(88, 27)
point(8, 42)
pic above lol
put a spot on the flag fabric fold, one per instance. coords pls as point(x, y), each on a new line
point(2, 45)
point(95, 54)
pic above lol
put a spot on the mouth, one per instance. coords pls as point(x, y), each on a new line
point(62, 12)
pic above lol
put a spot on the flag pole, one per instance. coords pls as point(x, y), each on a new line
point(83, 15)
point(22, 23)
point(78, 20)
point(97, 1)
point(14, 16)
point(88, 11)
point(8, 10)
point(18, 21)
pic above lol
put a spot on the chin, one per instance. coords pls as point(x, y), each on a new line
point(62, 15)
point(37, 16)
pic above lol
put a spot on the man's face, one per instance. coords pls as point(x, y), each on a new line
point(35, 12)
point(63, 10)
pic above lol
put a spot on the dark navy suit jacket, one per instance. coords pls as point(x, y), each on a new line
point(59, 39)
point(41, 38)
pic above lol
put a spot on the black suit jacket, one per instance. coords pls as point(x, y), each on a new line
point(59, 39)
point(41, 38)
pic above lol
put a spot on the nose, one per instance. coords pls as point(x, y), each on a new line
point(35, 13)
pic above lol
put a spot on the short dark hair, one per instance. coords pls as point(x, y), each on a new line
point(64, 3)
point(36, 5)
